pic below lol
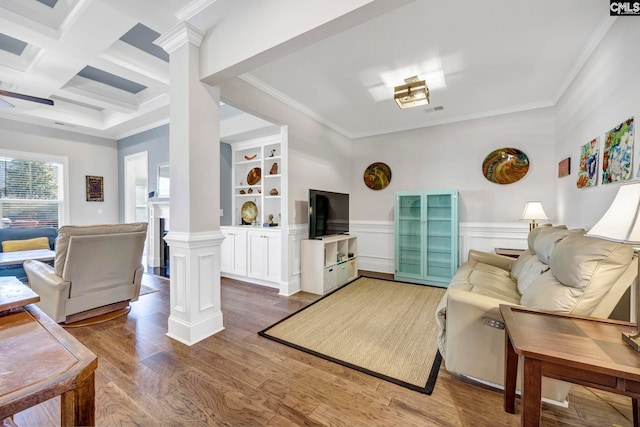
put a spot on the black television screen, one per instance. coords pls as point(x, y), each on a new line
point(328, 213)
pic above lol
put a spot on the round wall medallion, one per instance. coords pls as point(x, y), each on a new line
point(377, 176)
point(505, 165)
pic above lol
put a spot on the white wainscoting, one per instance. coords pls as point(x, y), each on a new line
point(297, 233)
point(376, 241)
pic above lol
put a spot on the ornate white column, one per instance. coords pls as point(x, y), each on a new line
point(194, 236)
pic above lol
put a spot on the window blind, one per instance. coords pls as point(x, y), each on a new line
point(30, 192)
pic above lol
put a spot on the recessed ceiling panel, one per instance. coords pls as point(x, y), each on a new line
point(142, 37)
point(112, 80)
point(12, 45)
point(50, 3)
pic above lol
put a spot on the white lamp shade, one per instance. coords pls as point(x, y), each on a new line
point(533, 211)
point(621, 223)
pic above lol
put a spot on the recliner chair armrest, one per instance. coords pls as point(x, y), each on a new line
point(474, 347)
point(51, 288)
point(496, 260)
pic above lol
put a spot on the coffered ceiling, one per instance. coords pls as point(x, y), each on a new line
point(97, 61)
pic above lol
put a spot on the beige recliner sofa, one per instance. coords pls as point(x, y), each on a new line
point(563, 270)
point(95, 266)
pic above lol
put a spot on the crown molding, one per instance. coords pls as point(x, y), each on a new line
point(192, 10)
point(178, 36)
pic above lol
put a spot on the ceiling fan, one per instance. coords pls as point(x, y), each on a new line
point(5, 104)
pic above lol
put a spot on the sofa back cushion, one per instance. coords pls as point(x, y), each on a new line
point(29, 233)
point(582, 270)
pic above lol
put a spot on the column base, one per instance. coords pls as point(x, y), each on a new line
point(191, 333)
point(195, 286)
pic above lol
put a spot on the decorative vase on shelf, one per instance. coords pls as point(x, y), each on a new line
point(273, 192)
point(274, 169)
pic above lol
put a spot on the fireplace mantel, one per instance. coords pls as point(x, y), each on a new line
point(157, 209)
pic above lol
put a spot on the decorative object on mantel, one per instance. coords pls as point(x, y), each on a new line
point(273, 153)
point(377, 176)
point(274, 169)
point(249, 213)
point(273, 192)
point(505, 165)
point(618, 152)
point(564, 167)
point(250, 157)
point(94, 188)
point(533, 212)
point(621, 223)
point(589, 156)
point(254, 176)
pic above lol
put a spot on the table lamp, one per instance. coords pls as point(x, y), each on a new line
point(533, 211)
point(621, 223)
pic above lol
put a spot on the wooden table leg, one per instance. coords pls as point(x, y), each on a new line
point(636, 411)
point(510, 375)
point(78, 405)
point(531, 392)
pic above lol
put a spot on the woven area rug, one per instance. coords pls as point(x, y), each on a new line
point(384, 328)
point(144, 289)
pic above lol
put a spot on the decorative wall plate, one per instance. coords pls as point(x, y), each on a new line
point(505, 165)
point(249, 212)
point(377, 176)
point(254, 176)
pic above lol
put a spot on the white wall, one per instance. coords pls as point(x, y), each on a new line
point(319, 157)
point(451, 156)
point(87, 155)
point(603, 94)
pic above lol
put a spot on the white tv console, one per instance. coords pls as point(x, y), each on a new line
point(328, 263)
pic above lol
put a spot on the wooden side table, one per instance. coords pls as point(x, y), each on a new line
point(575, 349)
point(40, 360)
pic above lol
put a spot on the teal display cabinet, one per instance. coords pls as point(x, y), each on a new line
point(426, 236)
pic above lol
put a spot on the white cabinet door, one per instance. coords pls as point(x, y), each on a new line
point(233, 252)
point(256, 250)
point(273, 257)
point(263, 260)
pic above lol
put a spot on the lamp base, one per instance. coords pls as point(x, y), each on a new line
point(633, 339)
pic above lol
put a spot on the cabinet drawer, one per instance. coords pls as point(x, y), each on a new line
point(343, 273)
point(330, 278)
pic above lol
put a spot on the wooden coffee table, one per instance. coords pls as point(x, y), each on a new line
point(575, 349)
point(40, 360)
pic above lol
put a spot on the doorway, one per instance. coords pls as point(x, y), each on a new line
point(136, 177)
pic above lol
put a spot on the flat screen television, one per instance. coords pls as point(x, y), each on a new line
point(328, 213)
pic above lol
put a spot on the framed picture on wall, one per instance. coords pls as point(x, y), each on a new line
point(564, 167)
point(95, 188)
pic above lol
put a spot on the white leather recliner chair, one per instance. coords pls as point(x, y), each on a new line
point(95, 266)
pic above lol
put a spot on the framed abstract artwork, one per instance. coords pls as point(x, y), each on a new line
point(618, 153)
point(588, 167)
point(564, 167)
point(95, 188)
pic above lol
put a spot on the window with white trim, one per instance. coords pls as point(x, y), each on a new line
point(31, 190)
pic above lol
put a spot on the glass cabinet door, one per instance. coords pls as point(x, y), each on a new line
point(409, 235)
point(439, 236)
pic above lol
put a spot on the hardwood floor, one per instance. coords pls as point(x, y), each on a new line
point(237, 378)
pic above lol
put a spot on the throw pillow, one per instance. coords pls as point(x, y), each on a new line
point(533, 271)
point(26, 244)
